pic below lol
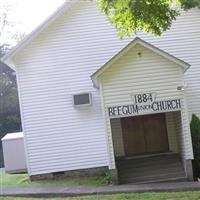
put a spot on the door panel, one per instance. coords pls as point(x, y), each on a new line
point(133, 136)
point(144, 134)
point(155, 133)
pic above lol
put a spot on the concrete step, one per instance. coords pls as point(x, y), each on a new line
point(146, 172)
point(154, 180)
point(146, 175)
point(131, 169)
point(149, 164)
point(149, 161)
point(159, 177)
point(151, 169)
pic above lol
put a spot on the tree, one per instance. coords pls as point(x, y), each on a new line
point(9, 104)
point(9, 31)
point(153, 16)
point(195, 133)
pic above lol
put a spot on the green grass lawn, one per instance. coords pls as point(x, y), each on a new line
point(133, 196)
point(22, 180)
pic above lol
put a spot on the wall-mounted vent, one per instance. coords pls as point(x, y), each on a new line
point(82, 99)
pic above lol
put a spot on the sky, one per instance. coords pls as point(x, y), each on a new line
point(25, 15)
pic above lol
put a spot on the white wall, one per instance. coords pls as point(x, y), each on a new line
point(51, 69)
point(59, 63)
point(133, 74)
point(172, 132)
point(183, 41)
point(117, 137)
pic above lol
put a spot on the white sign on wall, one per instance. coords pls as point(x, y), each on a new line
point(144, 103)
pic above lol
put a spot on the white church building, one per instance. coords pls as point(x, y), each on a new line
point(90, 100)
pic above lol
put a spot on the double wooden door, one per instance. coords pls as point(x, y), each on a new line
point(144, 134)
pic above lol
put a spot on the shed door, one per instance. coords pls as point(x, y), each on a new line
point(144, 134)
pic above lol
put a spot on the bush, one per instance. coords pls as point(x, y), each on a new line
point(195, 133)
point(107, 177)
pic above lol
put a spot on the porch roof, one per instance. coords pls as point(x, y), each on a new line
point(137, 40)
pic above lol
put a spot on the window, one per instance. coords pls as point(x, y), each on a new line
point(82, 99)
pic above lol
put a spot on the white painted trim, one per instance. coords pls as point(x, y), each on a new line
point(30, 37)
point(22, 123)
point(147, 113)
point(10, 64)
point(189, 132)
point(106, 132)
point(137, 40)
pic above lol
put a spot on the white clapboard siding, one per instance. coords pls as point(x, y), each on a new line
point(59, 62)
point(172, 132)
point(183, 41)
point(53, 67)
point(133, 74)
point(178, 127)
point(117, 136)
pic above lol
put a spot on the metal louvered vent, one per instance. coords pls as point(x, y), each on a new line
point(82, 99)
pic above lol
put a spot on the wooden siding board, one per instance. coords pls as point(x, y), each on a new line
point(172, 132)
point(117, 137)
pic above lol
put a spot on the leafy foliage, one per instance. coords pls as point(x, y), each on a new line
point(107, 177)
point(130, 16)
point(188, 4)
point(9, 112)
point(195, 132)
point(9, 104)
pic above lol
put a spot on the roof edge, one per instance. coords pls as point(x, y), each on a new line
point(147, 45)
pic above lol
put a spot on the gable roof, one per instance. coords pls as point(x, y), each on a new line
point(7, 59)
point(145, 44)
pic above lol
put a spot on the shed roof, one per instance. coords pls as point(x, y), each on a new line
point(147, 45)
